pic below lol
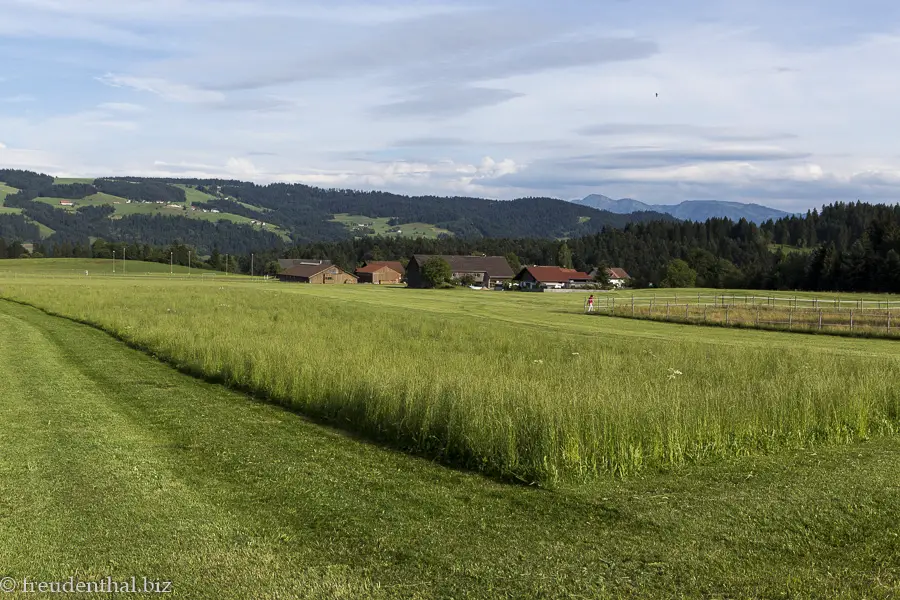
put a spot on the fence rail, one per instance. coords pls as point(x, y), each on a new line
point(873, 317)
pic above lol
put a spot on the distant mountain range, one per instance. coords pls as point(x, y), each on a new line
point(690, 210)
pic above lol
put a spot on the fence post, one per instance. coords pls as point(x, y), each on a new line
point(820, 319)
point(790, 318)
point(632, 305)
point(667, 311)
point(851, 319)
point(889, 320)
point(726, 314)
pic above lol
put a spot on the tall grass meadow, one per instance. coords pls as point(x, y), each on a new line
point(530, 404)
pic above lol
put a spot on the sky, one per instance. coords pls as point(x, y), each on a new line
point(788, 104)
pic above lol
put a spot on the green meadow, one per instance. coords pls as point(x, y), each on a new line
point(380, 226)
point(516, 385)
point(70, 180)
point(5, 191)
point(379, 442)
point(97, 268)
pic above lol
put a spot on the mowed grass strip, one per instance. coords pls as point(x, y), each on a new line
point(112, 464)
point(525, 403)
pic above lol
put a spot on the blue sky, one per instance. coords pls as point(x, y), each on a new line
point(787, 104)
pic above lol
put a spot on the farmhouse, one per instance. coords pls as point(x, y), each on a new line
point(66, 203)
point(378, 272)
point(617, 277)
point(287, 263)
point(485, 270)
point(537, 277)
point(312, 273)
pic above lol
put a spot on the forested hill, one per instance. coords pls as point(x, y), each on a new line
point(308, 211)
point(239, 216)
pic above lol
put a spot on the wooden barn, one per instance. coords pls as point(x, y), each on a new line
point(321, 272)
point(485, 270)
point(381, 272)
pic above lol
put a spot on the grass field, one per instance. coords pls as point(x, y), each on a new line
point(5, 191)
point(522, 386)
point(69, 180)
point(112, 464)
point(194, 195)
point(381, 227)
point(787, 248)
point(96, 268)
point(123, 208)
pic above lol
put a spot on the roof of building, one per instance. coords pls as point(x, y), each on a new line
point(287, 263)
point(617, 273)
point(307, 271)
point(495, 266)
point(554, 274)
point(373, 266)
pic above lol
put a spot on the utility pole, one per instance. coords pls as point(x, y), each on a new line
point(171, 259)
point(114, 262)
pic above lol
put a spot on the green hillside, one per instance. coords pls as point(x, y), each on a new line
point(194, 195)
point(5, 191)
point(358, 224)
point(69, 180)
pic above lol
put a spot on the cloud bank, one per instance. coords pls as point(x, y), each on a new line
point(496, 99)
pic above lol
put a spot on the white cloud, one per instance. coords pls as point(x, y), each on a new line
point(124, 107)
point(168, 90)
point(18, 99)
point(413, 96)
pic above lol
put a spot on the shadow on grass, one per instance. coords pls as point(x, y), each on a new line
point(348, 418)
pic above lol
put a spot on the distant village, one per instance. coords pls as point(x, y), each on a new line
point(477, 272)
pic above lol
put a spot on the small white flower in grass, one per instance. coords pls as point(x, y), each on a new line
point(539, 361)
point(575, 354)
point(673, 373)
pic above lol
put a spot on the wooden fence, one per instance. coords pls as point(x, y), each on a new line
point(874, 317)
